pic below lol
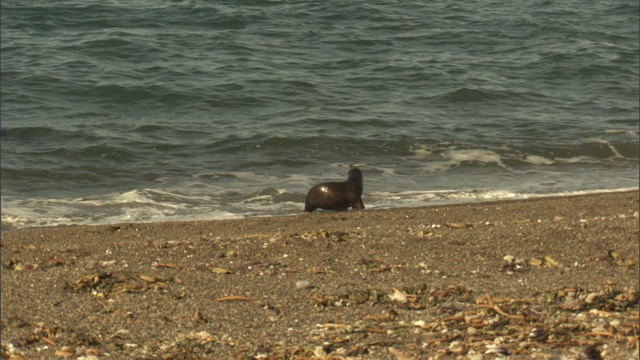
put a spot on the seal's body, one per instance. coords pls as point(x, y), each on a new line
point(338, 196)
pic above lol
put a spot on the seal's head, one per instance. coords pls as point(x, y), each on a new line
point(355, 176)
point(338, 196)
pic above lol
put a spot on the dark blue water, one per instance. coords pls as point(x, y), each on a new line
point(148, 111)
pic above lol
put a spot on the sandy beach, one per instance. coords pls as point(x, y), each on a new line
point(552, 278)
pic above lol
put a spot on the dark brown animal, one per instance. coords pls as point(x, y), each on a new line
point(338, 196)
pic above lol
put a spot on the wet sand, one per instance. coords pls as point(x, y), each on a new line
point(542, 278)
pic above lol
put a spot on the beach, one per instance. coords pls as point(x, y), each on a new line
point(541, 278)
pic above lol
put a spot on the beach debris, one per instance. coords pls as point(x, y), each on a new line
point(370, 263)
point(214, 269)
point(45, 333)
point(513, 264)
point(181, 295)
point(615, 258)
point(538, 334)
point(168, 266)
point(103, 283)
point(151, 279)
point(401, 297)
point(383, 268)
point(201, 336)
point(497, 349)
point(376, 265)
point(458, 225)
point(398, 354)
point(334, 325)
point(18, 265)
point(234, 298)
point(64, 352)
point(303, 284)
point(574, 299)
point(419, 323)
point(315, 270)
point(591, 352)
point(104, 264)
point(347, 296)
point(383, 317)
point(546, 261)
point(169, 244)
point(88, 357)
point(311, 236)
point(218, 270)
point(48, 341)
point(89, 282)
point(336, 236)
point(474, 333)
point(199, 318)
point(185, 344)
point(54, 262)
point(490, 305)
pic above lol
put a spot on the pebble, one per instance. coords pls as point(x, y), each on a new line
point(475, 357)
point(591, 298)
point(303, 284)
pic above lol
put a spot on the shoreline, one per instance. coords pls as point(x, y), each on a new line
point(7, 226)
point(436, 281)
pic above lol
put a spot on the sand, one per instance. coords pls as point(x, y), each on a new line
point(542, 278)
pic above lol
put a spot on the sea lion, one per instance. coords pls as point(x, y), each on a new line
point(338, 196)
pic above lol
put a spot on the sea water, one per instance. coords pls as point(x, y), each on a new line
point(119, 111)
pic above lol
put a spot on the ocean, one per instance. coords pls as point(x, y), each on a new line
point(137, 111)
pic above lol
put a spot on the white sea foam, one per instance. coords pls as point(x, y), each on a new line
point(455, 158)
point(434, 159)
point(615, 151)
point(630, 133)
point(421, 151)
point(136, 206)
point(485, 156)
point(537, 160)
point(383, 200)
point(575, 160)
point(113, 209)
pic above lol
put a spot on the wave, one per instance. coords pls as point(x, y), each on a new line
point(225, 102)
point(149, 205)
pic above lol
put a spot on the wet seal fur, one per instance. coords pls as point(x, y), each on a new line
point(338, 196)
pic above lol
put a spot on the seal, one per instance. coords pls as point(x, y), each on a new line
point(338, 196)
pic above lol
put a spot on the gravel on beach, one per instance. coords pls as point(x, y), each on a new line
point(549, 278)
